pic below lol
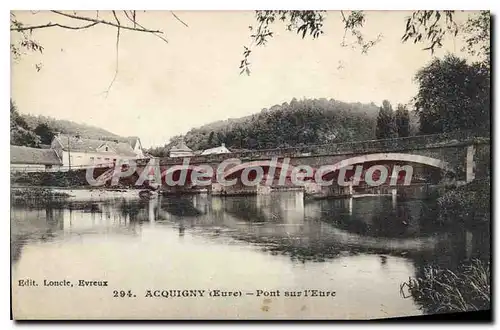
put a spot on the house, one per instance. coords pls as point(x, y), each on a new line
point(181, 150)
point(136, 145)
point(26, 159)
point(76, 151)
point(217, 150)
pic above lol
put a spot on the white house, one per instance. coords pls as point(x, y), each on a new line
point(136, 145)
point(217, 150)
point(25, 159)
point(75, 151)
point(181, 150)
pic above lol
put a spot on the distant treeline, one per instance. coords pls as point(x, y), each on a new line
point(452, 95)
point(35, 131)
point(297, 123)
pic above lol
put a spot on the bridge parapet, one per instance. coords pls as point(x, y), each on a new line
point(354, 147)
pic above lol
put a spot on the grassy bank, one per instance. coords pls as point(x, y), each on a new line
point(442, 290)
point(68, 179)
point(53, 179)
point(466, 287)
point(36, 193)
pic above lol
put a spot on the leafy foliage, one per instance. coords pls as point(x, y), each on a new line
point(20, 132)
point(466, 287)
point(45, 133)
point(386, 128)
point(429, 27)
point(477, 36)
point(402, 118)
point(32, 131)
point(128, 21)
point(26, 42)
point(68, 127)
point(304, 122)
point(300, 122)
point(23, 40)
point(468, 204)
point(425, 25)
point(306, 23)
point(453, 95)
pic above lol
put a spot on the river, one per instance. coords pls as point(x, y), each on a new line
point(358, 250)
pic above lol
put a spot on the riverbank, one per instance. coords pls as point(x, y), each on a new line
point(40, 193)
point(442, 290)
point(468, 204)
point(68, 179)
point(465, 287)
point(32, 193)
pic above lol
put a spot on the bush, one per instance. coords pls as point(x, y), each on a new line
point(468, 204)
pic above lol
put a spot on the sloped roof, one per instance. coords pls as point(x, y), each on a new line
point(91, 145)
point(181, 146)
point(132, 140)
point(219, 150)
point(26, 155)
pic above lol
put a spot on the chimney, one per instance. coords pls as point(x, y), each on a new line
point(223, 145)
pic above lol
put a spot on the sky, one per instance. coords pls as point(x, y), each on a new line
point(165, 89)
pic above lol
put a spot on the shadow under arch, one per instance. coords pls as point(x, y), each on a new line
point(254, 164)
point(409, 158)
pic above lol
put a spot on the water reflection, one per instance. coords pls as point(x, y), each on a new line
point(396, 239)
point(281, 221)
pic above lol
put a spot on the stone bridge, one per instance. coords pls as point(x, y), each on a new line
point(426, 159)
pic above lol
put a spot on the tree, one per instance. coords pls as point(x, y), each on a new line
point(422, 26)
point(385, 122)
point(402, 118)
point(22, 137)
point(16, 120)
point(414, 123)
point(158, 151)
point(45, 133)
point(126, 20)
point(290, 124)
point(477, 36)
point(121, 20)
point(453, 95)
point(20, 133)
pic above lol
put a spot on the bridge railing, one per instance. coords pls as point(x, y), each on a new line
point(395, 144)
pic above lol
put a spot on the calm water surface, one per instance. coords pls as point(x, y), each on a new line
point(362, 249)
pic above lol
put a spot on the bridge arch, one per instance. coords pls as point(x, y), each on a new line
point(264, 164)
point(175, 173)
point(410, 158)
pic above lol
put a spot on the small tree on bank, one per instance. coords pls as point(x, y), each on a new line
point(402, 121)
point(385, 122)
point(45, 133)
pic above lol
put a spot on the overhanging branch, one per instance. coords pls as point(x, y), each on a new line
point(177, 18)
point(116, 25)
point(48, 25)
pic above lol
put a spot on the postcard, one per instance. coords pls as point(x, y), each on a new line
point(249, 165)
